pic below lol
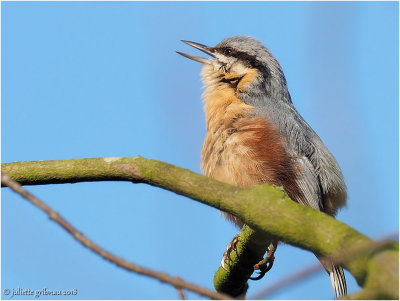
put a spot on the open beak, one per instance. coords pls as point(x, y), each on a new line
point(201, 47)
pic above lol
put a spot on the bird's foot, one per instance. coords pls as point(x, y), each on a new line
point(226, 258)
point(266, 263)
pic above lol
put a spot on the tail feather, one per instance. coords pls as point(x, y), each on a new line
point(336, 275)
point(338, 281)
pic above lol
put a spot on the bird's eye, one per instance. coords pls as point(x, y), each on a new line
point(228, 51)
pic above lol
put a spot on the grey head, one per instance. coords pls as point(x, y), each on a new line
point(250, 52)
point(240, 53)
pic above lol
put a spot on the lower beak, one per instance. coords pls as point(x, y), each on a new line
point(201, 47)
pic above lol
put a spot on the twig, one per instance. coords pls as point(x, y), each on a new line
point(317, 267)
point(285, 282)
point(163, 277)
point(180, 293)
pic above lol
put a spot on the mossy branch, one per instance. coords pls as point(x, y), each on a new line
point(264, 208)
point(250, 248)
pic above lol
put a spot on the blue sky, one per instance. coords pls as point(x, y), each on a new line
point(102, 79)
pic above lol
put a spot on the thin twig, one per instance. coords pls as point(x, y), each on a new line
point(163, 277)
point(285, 282)
point(180, 293)
point(317, 267)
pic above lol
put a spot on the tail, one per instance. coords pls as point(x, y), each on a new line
point(336, 275)
point(338, 281)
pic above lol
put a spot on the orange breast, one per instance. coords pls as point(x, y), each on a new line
point(241, 149)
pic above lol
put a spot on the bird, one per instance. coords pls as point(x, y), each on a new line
point(255, 135)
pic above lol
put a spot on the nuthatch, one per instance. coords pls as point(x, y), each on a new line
point(255, 135)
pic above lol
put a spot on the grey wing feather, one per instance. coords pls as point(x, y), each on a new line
point(308, 183)
point(308, 148)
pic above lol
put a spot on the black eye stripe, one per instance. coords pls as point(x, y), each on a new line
point(247, 58)
point(250, 60)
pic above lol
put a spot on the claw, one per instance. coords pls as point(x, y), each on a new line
point(266, 264)
point(223, 263)
point(226, 258)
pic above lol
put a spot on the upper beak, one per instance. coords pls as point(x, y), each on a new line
point(201, 47)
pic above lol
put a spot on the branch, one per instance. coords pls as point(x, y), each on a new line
point(163, 277)
point(250, 249)
point(317, 267)
point(264, 208)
